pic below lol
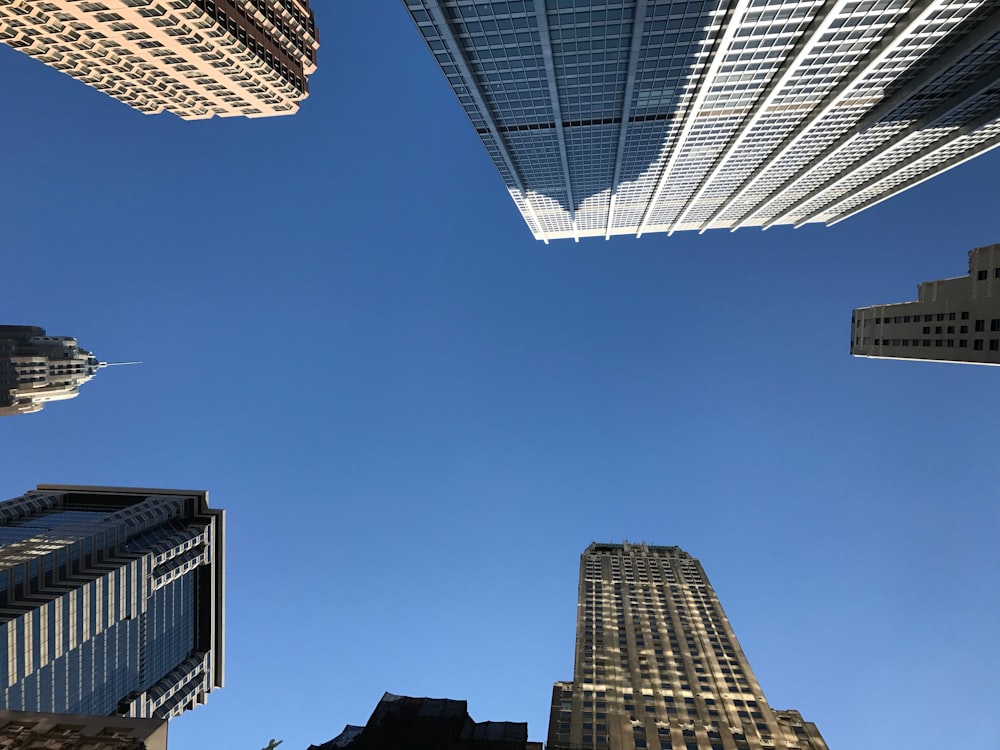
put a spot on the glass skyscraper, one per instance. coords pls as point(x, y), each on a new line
point(658, 666)
point(610, 117)
point(111, 601)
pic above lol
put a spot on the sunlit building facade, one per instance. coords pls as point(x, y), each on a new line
point(111, 601)
point(24, 730)
point(36, 369)
point(195, 58)
point(636, 116)
point(953, 320)
point(658, 666)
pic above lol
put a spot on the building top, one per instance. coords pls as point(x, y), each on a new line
point(404, 723)
point(36, 368)
point(952, 320)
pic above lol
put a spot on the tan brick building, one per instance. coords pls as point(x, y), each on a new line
point(195, 58)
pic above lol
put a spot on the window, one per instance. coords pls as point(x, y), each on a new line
point(938, 342)
point(951, 316)
point(980, 325)
point(937, 329)
point(995, 324)
point(963, 329)
point(994, 345)
point(927, 342)
point(977, 345)
point(928, 318)
point(965, 316)
point(927, 329)
point(951, 329)
point(939, 316)
point(963, 344)
point(878, 320)
point(981, 275)
point(906, 318)
point(996, 273)
point(950, 343)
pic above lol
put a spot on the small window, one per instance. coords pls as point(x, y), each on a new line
point(906, 318)
point(877, 342)
point(940, 316)
point(927, 329)
point(927, 342)
point(965, 316)
point(981, 275)
point(995, 324)
point(980, 325)
point(937, 329)
point(928, 318)
point(963, 329)
point(951, 329)
point(994, 345)
point(951, 316)
point(897, 319)
point(996, 273)
point(977, 345)
point(938, 342)
point(950, 344)
point(963, 344)
point(878, 320)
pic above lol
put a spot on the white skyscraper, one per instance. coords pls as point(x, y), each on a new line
point(635, 116)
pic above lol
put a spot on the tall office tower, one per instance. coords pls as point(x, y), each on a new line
point(658, 666)
point(111, 601)
point(35, 369)
point(953, 320)
point(403, 723)
point(21, 730)
point(195, 58)
point(633, 116)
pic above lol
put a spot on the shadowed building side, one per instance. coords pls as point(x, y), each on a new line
point(20, 730)
point(404, 723)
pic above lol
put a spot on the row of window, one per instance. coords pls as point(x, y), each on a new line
point(984, 274)
point(977, 344)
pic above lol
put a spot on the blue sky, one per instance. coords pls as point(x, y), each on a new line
point(418, 417)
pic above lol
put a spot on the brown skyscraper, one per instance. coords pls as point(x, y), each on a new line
point(195, 58)
point(658, 666)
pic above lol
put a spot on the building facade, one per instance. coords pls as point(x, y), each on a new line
point(195, 58)
point(635, 116)
point(953, 320)
point(658, 666)
point(111, 601)
point(36, 369)
point(23, 730)
point(403, 723)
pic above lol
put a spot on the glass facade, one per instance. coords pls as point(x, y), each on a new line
point(111, 601)
point(631, 116)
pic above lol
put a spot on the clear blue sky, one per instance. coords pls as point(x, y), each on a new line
point(418, 417)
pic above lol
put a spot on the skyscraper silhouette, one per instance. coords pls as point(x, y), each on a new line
point(658, 666)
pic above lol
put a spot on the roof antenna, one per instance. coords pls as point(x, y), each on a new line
point(114, 364)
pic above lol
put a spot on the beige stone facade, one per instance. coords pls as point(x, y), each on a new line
point(953, 320)
point(195, 58)
point(658, 666)
point(21, 730)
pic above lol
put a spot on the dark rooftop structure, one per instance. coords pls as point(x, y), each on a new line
point(403, 723)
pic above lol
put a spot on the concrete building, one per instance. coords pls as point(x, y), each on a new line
point(195, 58)
point(20, 730)
point(658, 666)
point(953, 320)
point(111, 601)
point(636, 116)
point(403, 723)
point(36, 369)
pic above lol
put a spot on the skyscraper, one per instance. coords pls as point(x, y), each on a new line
point(953, 320)
point(111, 601)
point(658, 666)
point(35, 369)
point(195, 58)
point(636, 116)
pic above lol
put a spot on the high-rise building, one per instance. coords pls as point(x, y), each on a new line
point(635, 116)
point(658, 666)
point(195, 58)
point(403, 723)
point(35, 369)
point(21, 730)
point(111, 601)
point(953, 320)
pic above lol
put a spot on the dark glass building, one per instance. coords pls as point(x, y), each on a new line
point(111, 601)
point(658, 665)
